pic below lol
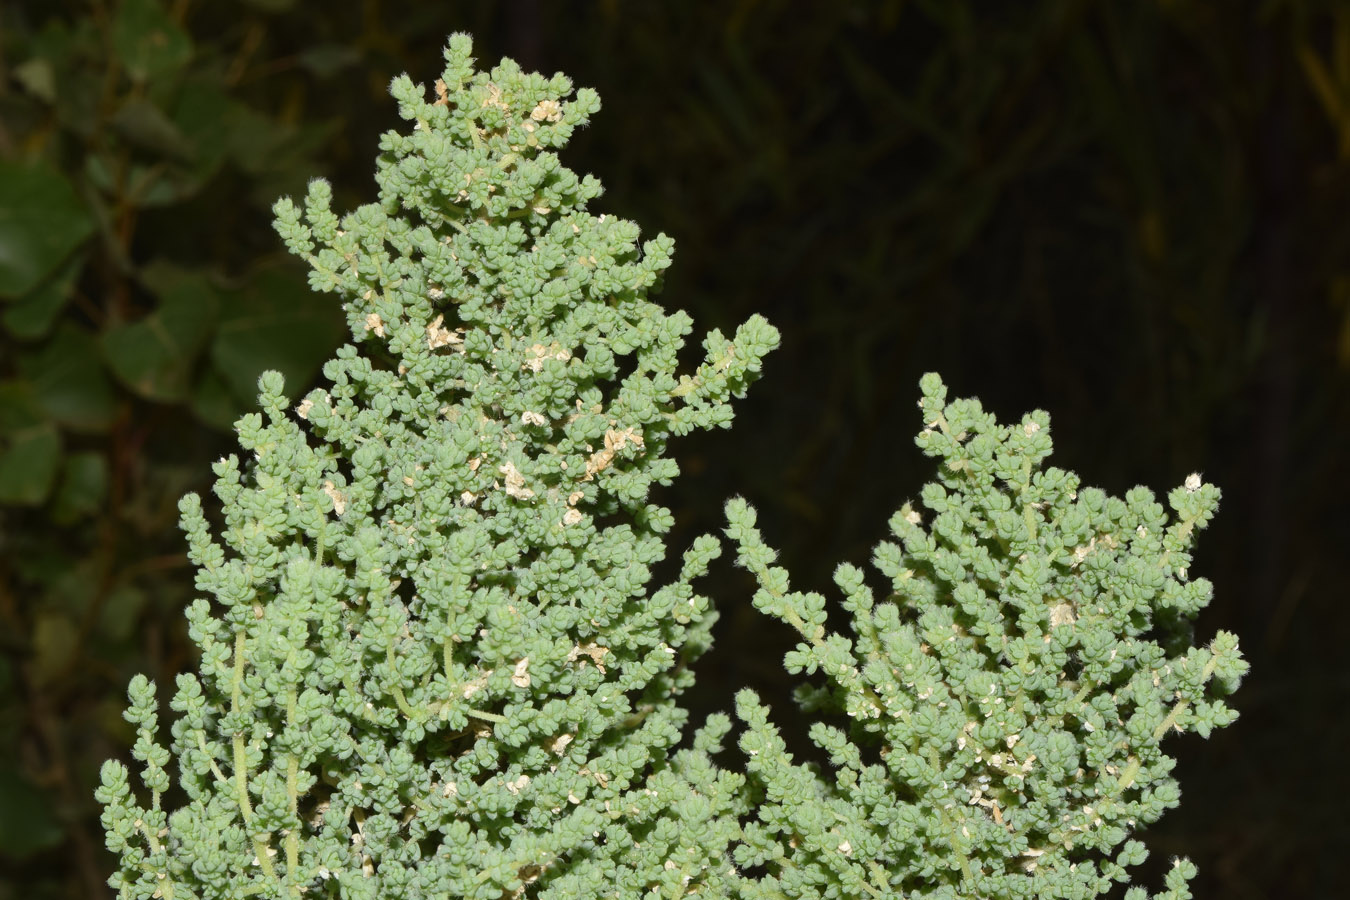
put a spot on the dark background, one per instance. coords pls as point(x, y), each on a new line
point(1131, 215)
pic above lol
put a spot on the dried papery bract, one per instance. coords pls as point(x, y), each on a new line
point(1007, 696)
point(433, 664)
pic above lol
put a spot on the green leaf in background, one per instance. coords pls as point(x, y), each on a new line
point(152, 186)
point(55, 638)
point(28, 822)
point(107, 717)
point(149, 42)
point(50, 55)
point(146, 185)
point(99, 172)
point(120, 612)
point(201, 114)
point(326, 60)
point(31, 317)
point(19, 408)
point(28, 465)
point(213, 403)
point(38, 77)
point(41, 222)
point(143, 124)
point(280, 156)
point(254, 140)
point(65, 49)
point(83, 487)
point(69, 586)
point(154, 356)
point(276, 323)
point(69, 382)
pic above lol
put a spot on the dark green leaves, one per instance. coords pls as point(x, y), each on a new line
point(27, 819)
point(154, 356)
point(69, 383)
point(278, 323)
point(148, 42)
point(32, 315)
point(206, 345)
point(41, 222)
point(30, 446)
point(143, 124)
point(28, 466)
point(82, 488)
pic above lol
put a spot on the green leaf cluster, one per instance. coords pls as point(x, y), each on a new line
point(1006, 698)
point(127, 336)
point(433, 662)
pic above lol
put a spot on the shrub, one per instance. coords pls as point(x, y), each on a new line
point(433, 662)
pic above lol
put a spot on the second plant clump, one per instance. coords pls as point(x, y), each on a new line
point(433, 663)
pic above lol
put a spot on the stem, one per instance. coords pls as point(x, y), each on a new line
point(1127, 777)
point(403, 705)
point(292, 843)
point(241, 778)
point(962, 860)
point(201, 745)
point(1029, 517)
point(241, 759)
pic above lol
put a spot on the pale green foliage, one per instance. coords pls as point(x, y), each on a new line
point(433, 666)
point(1005, 698)
point(431, 662)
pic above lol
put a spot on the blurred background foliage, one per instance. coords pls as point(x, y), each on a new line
point(1129, 214)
